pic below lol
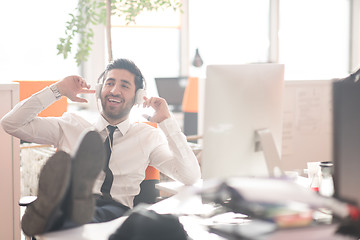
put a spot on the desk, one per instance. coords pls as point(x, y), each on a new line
point(195, 226)
point(173, 187)
point(95, 231)
point(99, 231)
point(186, 207)
point(195, 217)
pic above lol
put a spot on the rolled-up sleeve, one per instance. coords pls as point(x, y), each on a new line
point(22, 121)
point(176, 159)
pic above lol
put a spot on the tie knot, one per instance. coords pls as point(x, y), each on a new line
point(111, 129)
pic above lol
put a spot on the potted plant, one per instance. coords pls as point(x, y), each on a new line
point(93, 12)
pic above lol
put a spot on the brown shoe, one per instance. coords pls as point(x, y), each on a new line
point(87, 162)
point(42, 214)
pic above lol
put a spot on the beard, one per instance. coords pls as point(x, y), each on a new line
point(116, 112)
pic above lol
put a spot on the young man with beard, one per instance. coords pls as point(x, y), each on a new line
point(134, 147)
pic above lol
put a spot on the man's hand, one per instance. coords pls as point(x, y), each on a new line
point(161, 109)
point(71, 86)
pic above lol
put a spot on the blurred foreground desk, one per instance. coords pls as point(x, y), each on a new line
point(86, 232)
point(196, 227)
point(99, 231)
point(104, 230)
point(204, 219)
point(173, 187)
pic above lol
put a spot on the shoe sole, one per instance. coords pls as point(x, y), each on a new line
point(87, 162)
point(54, 180)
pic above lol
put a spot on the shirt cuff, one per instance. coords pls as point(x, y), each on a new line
point(46, 97)
point(55, 90)
point(170, 126)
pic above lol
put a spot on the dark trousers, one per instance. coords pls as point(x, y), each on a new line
point(107, 209)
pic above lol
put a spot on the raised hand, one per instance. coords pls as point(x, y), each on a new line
point(71, 86)
point(161, 109)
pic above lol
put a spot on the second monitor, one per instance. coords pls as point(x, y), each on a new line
point(172, 90)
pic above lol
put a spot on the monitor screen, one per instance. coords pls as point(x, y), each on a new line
point(172, 90)
point(241, 100)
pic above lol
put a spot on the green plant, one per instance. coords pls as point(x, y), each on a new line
point(93, 12)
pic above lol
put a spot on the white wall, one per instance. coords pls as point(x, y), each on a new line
point(9, 169)
point(307, 123)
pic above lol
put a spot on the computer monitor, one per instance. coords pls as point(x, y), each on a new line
point(172, 90)
point(346, 130)
point(243, 104)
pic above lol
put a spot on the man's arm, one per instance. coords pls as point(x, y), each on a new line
point(183, 165)
point(22, 121)
point(180, 163)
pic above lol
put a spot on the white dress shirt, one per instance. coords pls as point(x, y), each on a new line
point(135, 145)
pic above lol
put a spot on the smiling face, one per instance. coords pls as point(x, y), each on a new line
point(117, 95)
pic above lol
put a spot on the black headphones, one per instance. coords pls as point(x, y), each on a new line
point(139, 95)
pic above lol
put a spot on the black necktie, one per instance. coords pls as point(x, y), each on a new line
point(106, 186)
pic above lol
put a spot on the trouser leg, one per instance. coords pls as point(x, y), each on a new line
point(65, 188)
point(47, 212)
point(107, 210)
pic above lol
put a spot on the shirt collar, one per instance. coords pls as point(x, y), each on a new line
point(101, 124)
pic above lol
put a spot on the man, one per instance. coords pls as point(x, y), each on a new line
point(134, 145)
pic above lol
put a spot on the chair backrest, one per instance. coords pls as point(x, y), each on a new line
point(148, 193)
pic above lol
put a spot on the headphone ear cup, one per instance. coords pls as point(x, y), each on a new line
point(98, 89)
point(139, 96)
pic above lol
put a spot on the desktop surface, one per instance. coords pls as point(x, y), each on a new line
point(218, 227)
point(95, 231)
point(203, 220)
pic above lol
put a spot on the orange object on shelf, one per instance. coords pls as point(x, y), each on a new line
point(29, 87)
point(191, 100)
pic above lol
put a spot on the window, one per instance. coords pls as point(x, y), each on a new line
point(314, 38)
point(30, 33)
point(153, 43)
point(230, 32)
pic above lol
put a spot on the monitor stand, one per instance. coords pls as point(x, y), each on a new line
point(264, 141)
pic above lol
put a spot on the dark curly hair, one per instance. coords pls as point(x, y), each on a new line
point(126, 64)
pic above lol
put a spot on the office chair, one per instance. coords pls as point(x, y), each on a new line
point(148, 193)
